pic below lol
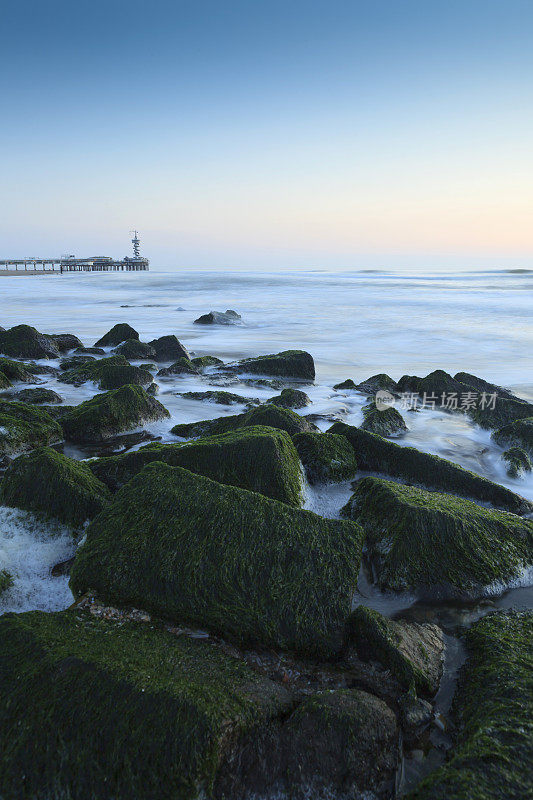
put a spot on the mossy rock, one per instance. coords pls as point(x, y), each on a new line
point(288, 364)
point(134, 350)
point(233, 562)
point(504, 413)
point(183, 366)
point(65, 341)
point(327, 458)
point(91, 370)
point(492, 707)
point(221, 398)
point(41, 369)
point(290, 398)
point(168, 348)
point(267, 415)
point(518, 462)
point(378, 383)
point(436, 383)
point(47, 482)
point(122, 332)
point(113, 376)
point(15, 371)
point(262, 460)
point(76, 361)
point(6, 581)
point(37, 396)
point(438, 545)
point(375, 454)
point(23, 427)
point(206, 361)
point(383, 421)
point(23, 341)
point(412, 652)
point(347, 384)
point(517, 434)
point(484, 386)
point(98, 709)
point(105, 415)
point(91, 351)
point(5, 383)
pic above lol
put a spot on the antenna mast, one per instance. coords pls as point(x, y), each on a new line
point(136, 245)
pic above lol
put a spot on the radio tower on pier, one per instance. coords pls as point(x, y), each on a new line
point(136, 245)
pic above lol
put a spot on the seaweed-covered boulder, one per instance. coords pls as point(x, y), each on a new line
point(436, 383)
point(383, 421)
point(290, 398)
point(288, 364)
point(113, 376)
point(228, 317)
point(221, 398)
point(518, 462)
point(376, 454)
point(493, 749)
point(347, 384)
point(183, 366)
point(23, 341)
point(99, 709)
point(500, 412)
point(168, 348)
point(110, 413)
point(412, 652)
point(206, 361)
point(378, 383)
point(23, 427)
point(90, 351)
point(15, 371)
point(72, 362)
point(65, 341)
point(517, 434)
point(122, 332)
point(90, 370)
point(484, 386)
point(438, 545)
point(6, 580)
point(5, 383)
point(231, 561)
point(47, 482)
point(134, 350)
point(37, 396)
point(260, 459)
point(326, 457)
point(269, 415)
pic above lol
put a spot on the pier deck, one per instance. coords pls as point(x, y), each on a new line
point(46, 266)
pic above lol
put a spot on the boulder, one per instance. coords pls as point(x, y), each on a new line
point(259, 459)
point(290, 398)
point(15, 371)
point(378, 383)
point(383, 421)
point(110, 413)
point(23, 341)
point(168, 348)
point(122, 710)
point(288, 364)
point(327, 458)
point(375, 454)
point(484, 386)
point(122, 332)
point(23, 427)
point(492, 711)
point(90, 351)
point(518, 462)
point(47, 482)
point(517, 434)
point(228, 317)
point(347, 384)
point(268, 415)
point(134, 350)
point(183, 366)
point(233, 562)
point(6, 580)
point(504, 413)
point(75, 361)
point(221, 398)
point(113, 376)
point(37, 396)
point(412, 652)
point(438, 545)
point(90, 370)
point(5, 383)
point(65, 341)
point(436, 383)
point(206, 361)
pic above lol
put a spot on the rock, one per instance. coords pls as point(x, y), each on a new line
point(221, 398)
point(23, 427)
point(113, 376)
point(65, 341)
point(416, 717)
point(122, 710)
point(37, 396)
point(347, 384)
point(228, 317)
point(262, 383)
point(518, 462)
point(153, 389)
point(41, 369)
point(206, 361)
point(412, 652)
point(5, 383)
point(517, 434)
point(89, 351)
point(110, 413)
point(492, 710)
point(437, 545)
point(375, 454)
point(262, 460)
point(233, 562)
point(90, 370)
point(327, 458)
point(47, 482)
point(168, 348)
point(135, 350)
point(383, 421)
point(62, 568)
point(436, 383)
point(122, 332)
point(183, 366)
point(14, 371)
point(290, 398)
point(6, 580)
point(504, 413)
point(378, 383)
point(23, 341)
point(289, 364)
point(75, 361)
point(484, 386)
point(269, 415)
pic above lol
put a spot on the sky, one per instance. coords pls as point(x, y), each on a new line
point(267, 134)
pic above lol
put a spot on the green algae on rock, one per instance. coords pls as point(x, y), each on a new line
point(221, 398)
point(113, 376)
point(183, 366)
point(98, 709)
point(438, 545)
point(267, 415)
point(262, 460)
point(383, 422)
point(378, 383)
point(288, 364)
point(492, 707)
point(23, 427)
point(231, 561)
point(24, 341)
point(105, 415)
point(168, 348)
point(517, 434)
point(37, 396)
point(15, 371)
point(122, 332)
point(326, 457)
point(206, 361)
point(90, 369)
point(518, 462)
point(290, 398)
point(376, 454)
point(6, 581)
point(134, 350)
point(347, 384)
point(47, 482)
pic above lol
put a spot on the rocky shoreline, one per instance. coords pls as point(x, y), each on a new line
point(214, 647)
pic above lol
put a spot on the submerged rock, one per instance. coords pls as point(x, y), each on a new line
point(168, 348)
point(231, 561)
point(37, 396)
point(378, 383)
point(438, 545)
point(289, 363)
point(383, 421)
point(290, 398)
point(376, 454)
point(122, 332)
point(23, 427)
point(65, 341)
point(47, 482)
point(228, 317)
point(518, 462)
point(134, 350)
point(221, 398)
point(327, 458)
point(206, 361)
point(183, 366)
point(517, 434)
point(107, 414)
point(269, 415)
point(347, 384)
point(23, 341)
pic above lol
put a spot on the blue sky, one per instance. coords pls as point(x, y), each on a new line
point(269, 134)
